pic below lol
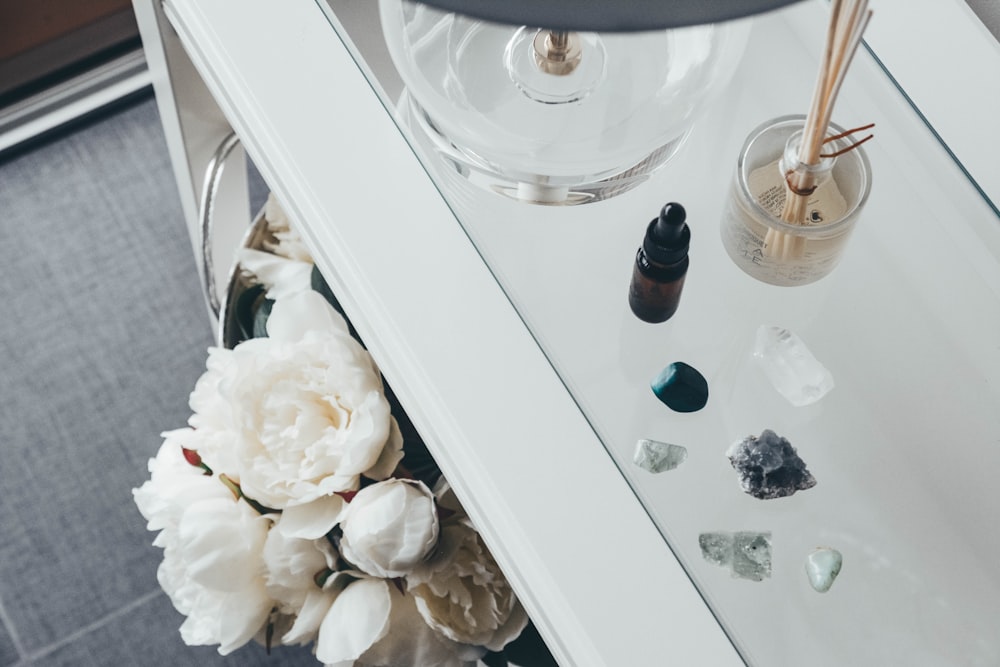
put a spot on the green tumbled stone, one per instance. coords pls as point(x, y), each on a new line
point(822, 566)
point(681, 388)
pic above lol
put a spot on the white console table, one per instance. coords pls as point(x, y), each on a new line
point(531, 397)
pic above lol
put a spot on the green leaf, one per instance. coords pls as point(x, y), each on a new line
point(492, 659)
point(260, 318)
point(246, 308)
point(416, 457)
point(529, 650)
point(319, 284)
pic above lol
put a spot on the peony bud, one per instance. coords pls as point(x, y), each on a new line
point(194, 458)
point(389, 527)
point(191, 456)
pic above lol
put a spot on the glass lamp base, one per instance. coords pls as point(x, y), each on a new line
point(549, 116)
point(526, 187)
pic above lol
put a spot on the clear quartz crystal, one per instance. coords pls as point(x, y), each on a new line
point(790, 366)
point(658, 456)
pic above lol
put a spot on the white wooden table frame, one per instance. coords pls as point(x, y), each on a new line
point(590, 566)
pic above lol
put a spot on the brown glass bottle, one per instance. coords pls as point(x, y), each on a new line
point(660, 266)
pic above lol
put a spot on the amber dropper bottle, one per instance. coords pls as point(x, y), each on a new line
point(660, 266)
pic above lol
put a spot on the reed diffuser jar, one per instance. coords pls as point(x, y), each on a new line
point(782, 252)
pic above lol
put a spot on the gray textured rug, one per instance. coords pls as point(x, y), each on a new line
point(103, 333)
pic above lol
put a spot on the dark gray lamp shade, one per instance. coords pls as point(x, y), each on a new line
point(607, 15)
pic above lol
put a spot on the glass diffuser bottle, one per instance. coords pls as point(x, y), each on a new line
point(799, 188)
point(782, 252)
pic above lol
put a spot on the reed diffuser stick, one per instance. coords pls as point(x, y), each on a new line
point(848, 20)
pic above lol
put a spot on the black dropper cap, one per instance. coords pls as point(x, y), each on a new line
point(667, 237)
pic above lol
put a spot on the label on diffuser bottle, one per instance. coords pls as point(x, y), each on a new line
point(826, 204)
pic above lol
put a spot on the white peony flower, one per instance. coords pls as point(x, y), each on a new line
point(311, 413)
point(212, 567)
point(368, 622)
point(410, 641)
point(462, 593)
point(292, 566)
point(214, 436)
point(289, 243)
point(214, 573)
point(389, 527)
point(211, 411)
point(174, 485)
point(282, 277)
point(285, 265)
point(221, 541)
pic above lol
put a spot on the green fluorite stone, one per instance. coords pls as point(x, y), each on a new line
point(681, 388)
point(746, 554)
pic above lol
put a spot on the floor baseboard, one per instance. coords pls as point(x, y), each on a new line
point(79, 97)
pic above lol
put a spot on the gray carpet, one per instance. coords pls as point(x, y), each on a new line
point(102, 335)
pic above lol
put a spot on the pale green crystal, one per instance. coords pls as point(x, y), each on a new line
point(658, 456)
point(746, 554)
point(752, 556)
point(717, 548)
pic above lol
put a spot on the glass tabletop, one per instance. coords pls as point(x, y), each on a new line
point(904, 449)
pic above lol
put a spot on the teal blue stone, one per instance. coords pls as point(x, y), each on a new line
point(681, 388)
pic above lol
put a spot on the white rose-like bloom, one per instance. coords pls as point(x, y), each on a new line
point(462, 593)
point(310, 409)
point(389, 527)
point(212, 567)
